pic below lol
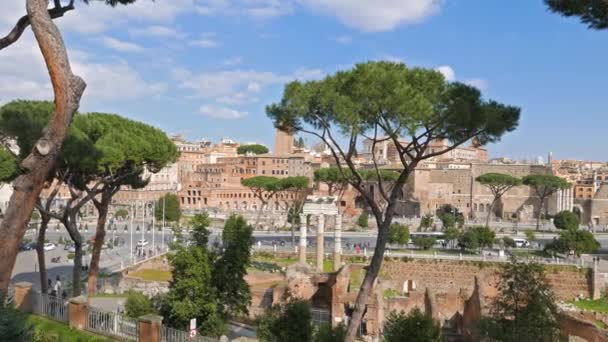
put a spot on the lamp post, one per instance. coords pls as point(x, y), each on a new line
point(153, 227)
point(133, 213)
point(162, 232)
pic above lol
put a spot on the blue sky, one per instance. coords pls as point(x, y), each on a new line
point(207, 68)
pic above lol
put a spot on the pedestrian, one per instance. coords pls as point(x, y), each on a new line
point(49, 286)
point(57, 289)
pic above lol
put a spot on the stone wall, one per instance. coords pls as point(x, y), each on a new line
point(450, 277)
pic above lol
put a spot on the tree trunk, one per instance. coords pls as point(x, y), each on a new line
point(100, 234)
point(490, 212)
point(540, 212)
point(72, 228)
point(68, 90)
point(370, 277)
point(40, 252)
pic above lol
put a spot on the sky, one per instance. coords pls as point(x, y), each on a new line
point(207, 68)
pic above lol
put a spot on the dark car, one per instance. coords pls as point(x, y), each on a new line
point(27, 246)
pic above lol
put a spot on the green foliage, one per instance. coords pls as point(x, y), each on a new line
point(399, 234)
point(447, 220)
point(498, 181)
point(8, 166)
point(328, 334)
point(253, 149)
point(97, 146)
point(424, 242)
point(290, 322)
point(597, 305)
point(230, 269)
point(426, 221)
point(407, 98)
point(452, 233)
point(593, 13)
point(545, 185)
point(530, 235)
point(575, 241)
point(122, 213)
point(566, 220)
point(413, 327)
point(137, 305)
point(525, 310)
point(477, 238)
point(450, 216)
point(363, 221)
point(508, 242)
point(200, 232)
point(191, 294)
point(335, 179)
point(372, 175)
point(46, 330)
point(13, 324)
point(171, 208)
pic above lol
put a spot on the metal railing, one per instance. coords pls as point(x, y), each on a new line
point(320, 317)
point(174, 335)
point(111, 323)
point(50, 306)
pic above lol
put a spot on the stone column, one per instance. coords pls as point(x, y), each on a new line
point(23, 297)
point(78, 313)
point(559, 201)
point(302, 250)
point(338, 243)
point(150, 328)
point(570, 199)
point(320, 242)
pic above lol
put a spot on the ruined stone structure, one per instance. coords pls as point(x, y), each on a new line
point(320, 207)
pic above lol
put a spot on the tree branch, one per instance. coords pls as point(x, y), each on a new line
point(24, 22)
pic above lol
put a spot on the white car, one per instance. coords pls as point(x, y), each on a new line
point(142, 243)
point(49, 246)
point(521, 243)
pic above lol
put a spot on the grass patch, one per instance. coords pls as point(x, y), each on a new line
point(55, 331)
point(598, 305)
point(108, 295)
point(356, 279)
point(148, 274)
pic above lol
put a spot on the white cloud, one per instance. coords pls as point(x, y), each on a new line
point(204, 43)
point(344, 40)
point(377, 15)
point(447, 72)
point(157, 31)
point(450, 76)
point(233, 61)
point(24, 76)
point(236, 87)
point(478, 83)
point(218, 112)
point(119, 45)
point(98, 17)
point(254, 8)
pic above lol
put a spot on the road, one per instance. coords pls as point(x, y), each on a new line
point(26, 267)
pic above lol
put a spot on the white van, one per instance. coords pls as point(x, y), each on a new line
point(521, 242)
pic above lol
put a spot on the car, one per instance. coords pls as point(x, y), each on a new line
point(72, 249)
point(49, 246)
point(142, 243)
point(27, 246)
point(68, 246)
point(520, 243)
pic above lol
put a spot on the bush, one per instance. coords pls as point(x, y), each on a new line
point(477, 237)
point(328, 334)
point(138, 305)
point(291, 322)
point(424, 242)
point(566, 220)
point(399, 234)
point(413, 327)
point(13, 324)
point(362, 221)
point(508, 242)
